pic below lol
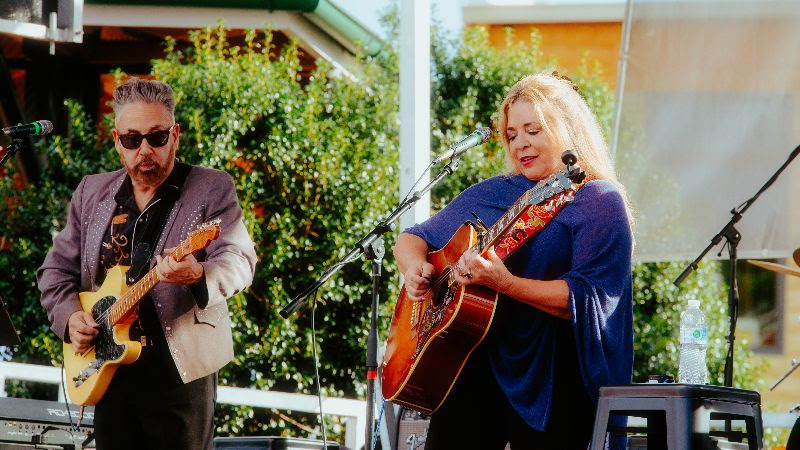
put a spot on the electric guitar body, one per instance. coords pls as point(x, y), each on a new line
point(112, 346)
point(114, 308)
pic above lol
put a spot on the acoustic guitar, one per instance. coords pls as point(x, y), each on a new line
point(112, 307)
point(430, 340)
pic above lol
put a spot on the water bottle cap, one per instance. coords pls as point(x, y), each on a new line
point(694, 303)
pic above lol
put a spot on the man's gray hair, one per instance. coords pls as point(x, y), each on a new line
point(138, 90)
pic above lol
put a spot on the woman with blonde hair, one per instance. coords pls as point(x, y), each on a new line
point(563, 323)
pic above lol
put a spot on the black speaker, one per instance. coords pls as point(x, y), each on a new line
point(270, 443)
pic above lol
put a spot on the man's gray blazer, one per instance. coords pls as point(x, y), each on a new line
point(199, 336)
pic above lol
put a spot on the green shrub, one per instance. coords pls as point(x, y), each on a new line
point(315, 166)
point(657, 307)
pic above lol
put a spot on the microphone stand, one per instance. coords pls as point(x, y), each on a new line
point(795, 365)
point(12, 150)
point(732, 238)
point(371, 246)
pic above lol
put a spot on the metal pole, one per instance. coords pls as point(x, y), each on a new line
point(415, 108)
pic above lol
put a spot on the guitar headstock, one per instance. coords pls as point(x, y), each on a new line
point(573, 171)
point(203, 234)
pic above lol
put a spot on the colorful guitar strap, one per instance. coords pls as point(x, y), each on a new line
point(533, 220)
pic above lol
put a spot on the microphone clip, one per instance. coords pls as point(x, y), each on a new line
point(11, 150)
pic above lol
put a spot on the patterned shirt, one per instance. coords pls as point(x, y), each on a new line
point(117, 247)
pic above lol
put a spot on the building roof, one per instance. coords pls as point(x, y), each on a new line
point(103, 34)
point(494, 12)
point(320, 26)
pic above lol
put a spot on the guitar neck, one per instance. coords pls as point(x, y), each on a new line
point(493, 234)
point(136, 292)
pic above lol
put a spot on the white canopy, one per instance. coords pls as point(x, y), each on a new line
point(708, 110)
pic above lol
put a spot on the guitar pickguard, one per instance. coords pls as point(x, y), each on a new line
point(105, 346)
point(434, 314)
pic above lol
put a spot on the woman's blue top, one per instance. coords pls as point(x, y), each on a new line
point(588, 244)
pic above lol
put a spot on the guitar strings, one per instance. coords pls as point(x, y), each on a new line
point(537, 190)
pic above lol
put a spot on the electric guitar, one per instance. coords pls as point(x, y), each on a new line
point(113, 308)
point(430, 340)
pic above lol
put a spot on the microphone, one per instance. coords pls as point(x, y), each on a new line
point(478, 137)
point(37, 128)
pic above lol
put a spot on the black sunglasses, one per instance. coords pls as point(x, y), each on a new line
point(132, 141)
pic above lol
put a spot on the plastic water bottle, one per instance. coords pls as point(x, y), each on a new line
point(694, 341)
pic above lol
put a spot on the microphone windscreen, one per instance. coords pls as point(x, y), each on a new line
point(47, 126)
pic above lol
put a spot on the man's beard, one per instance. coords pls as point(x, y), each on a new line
point(153, 176)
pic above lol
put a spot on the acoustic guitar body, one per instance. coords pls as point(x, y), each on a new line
point(89, 374)
point(430, 340)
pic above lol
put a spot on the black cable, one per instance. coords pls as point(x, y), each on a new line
point(72, 426)
point(316, 370)
point(66, 401)
point(411, 191)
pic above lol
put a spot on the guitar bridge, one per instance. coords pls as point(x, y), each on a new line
point(84, 374)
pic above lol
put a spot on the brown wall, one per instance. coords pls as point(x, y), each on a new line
point(569, 42)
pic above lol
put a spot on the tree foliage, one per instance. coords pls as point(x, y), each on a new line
point(469, 86)
point(314, 161)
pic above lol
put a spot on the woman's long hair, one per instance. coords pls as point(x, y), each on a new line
point(567, 121)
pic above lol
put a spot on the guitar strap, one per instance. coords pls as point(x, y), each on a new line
point(145, 244)
point(533, 220)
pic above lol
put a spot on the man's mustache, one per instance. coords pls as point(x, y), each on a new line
point(148, 160)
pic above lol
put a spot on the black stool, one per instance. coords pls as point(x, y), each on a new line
point(679, 415)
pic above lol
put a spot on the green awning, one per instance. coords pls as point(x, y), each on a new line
point(329, 13)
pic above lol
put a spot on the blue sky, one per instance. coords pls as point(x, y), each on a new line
point(369, 11)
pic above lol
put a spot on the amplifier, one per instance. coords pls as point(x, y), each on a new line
point(412, 431)
point(43, 424)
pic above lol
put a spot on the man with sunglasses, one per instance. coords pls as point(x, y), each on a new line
point(131, 217)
